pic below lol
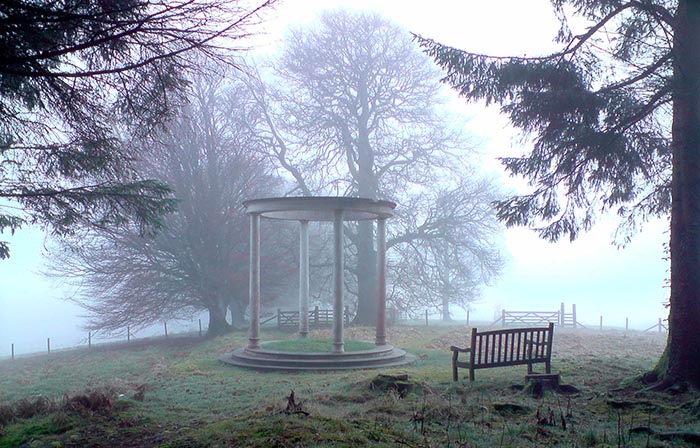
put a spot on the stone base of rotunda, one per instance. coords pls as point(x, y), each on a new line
point(383, 356)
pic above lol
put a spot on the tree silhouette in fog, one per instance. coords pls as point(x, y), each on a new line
point(355, 109)
point(199, 259)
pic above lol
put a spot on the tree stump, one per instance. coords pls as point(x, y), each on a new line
point(539, 383)
point(397, 383)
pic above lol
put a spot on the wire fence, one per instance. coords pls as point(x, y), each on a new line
point(395, 317)
point(528, 318)
point(93, 339)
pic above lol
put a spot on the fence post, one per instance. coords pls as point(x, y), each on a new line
point(48, 345)
point(128, 333)
point(200, 328)
point(503, 318)
point(316, 314)
point(573, 311)
point(467, 318)
point(89, 339)
point(627, 323)
point(13, 351)
point(279, 317)
point(601, 323)
point(562, 315)
point(659, 325)
point(165, 326)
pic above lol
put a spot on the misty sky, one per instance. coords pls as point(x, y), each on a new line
point(591, 272)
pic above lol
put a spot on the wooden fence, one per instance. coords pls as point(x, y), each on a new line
point(529, 318)
point(289, 320)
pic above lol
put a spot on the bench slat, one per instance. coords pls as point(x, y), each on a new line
point(500, 344)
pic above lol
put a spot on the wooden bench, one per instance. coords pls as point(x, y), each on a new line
point(507, 347)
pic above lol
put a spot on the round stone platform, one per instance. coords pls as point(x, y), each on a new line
point(382, 356)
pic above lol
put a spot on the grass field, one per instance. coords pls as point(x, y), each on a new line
point(175, 393)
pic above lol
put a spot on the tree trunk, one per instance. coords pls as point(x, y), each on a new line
point(367, 287)
point(367, 187)
point(217, 321)
point(446, 308)
point(238, 308)
point(684, 317)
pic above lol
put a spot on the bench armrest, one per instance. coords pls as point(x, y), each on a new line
point(459, 349)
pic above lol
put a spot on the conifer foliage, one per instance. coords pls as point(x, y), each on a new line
point(75, 76)
point(614, 123)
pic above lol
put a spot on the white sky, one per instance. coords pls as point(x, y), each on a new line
point(591, 272)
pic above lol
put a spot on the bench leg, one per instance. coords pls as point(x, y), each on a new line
point(471, 374)
point(548, 367)
point(529, 369)
point(455, 376)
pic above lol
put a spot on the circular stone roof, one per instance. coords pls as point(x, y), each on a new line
point(319, 208)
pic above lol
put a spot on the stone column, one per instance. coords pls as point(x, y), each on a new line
point(338, 287)
point(381, 281)
point(304, 278)
point(254, 287)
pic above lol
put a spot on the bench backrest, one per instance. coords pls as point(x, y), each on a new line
point(511, 347)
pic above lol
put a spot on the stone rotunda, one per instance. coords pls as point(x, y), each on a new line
point(318, 209)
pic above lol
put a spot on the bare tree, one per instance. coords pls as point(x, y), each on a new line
point(357, 110)
point(200, 258)
point(67, 69)
point(443, 253)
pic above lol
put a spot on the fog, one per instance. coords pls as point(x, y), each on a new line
point(592, 273)
point(34, 308)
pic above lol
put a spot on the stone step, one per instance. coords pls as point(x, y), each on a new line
point(260, 359)
point(378, 352)
point(318, 362)
point(258, 367)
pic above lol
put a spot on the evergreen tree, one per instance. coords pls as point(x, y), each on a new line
point(614, 121)
point(68, 69)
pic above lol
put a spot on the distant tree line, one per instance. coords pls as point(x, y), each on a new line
point(199, 259)
point(351, 107)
